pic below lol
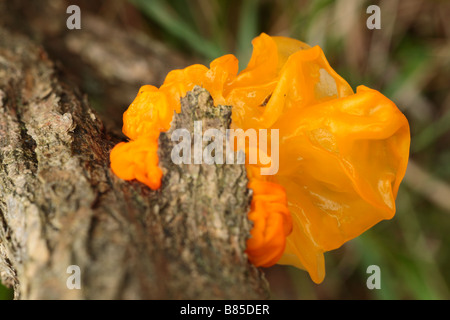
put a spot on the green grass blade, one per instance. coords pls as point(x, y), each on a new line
point(159, 13)
point(248, 29)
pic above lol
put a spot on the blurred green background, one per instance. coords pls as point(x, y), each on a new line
point(408, 60)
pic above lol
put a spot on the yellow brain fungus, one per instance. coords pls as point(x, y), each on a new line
point(342, 155)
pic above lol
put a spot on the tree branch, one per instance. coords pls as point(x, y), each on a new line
point(61, 205)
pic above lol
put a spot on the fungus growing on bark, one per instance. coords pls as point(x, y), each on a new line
point(342, 155)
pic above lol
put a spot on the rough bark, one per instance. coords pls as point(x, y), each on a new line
point(61, 205)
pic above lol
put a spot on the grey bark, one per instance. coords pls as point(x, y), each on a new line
point(61, 205)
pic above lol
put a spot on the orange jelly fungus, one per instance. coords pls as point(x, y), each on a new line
point(342, 155)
